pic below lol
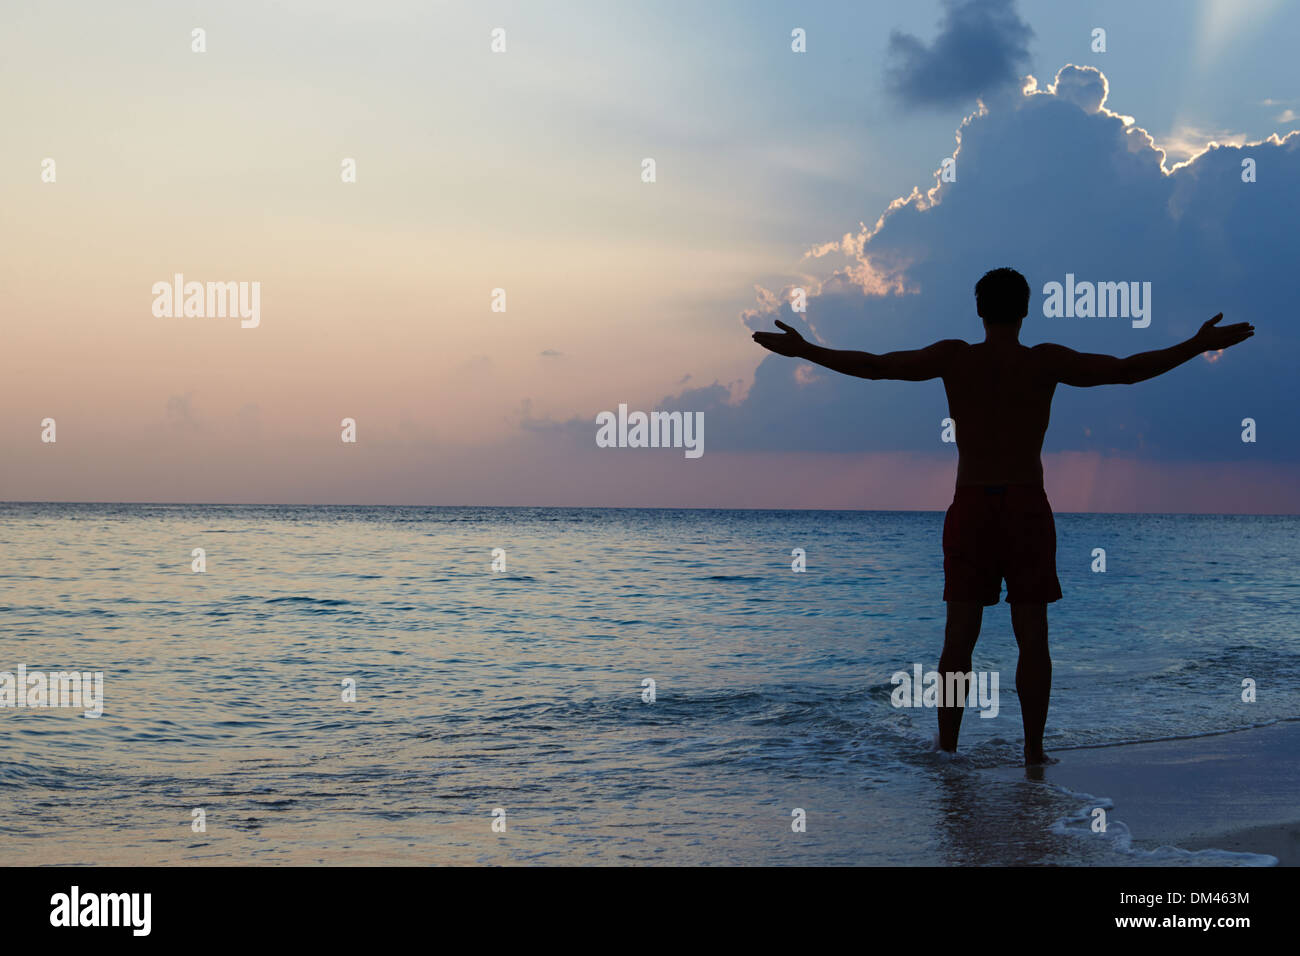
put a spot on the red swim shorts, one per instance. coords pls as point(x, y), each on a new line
point(993, 532)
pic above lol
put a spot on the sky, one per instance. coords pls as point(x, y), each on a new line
point(522, 170)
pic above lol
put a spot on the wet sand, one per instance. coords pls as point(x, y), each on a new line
point(1235, 791)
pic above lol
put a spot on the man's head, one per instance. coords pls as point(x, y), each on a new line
point(1002, 297)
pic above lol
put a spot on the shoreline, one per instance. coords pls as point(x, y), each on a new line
point(1232, 791)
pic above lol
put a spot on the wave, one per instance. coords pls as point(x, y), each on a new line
point(1119, 838)
point(1156, 740)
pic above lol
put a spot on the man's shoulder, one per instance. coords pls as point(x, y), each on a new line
point(1050, 355)
point(1049, 348)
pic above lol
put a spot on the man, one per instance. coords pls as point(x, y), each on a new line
point(1000, 523)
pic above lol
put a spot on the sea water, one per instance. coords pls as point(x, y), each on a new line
point(359, 685)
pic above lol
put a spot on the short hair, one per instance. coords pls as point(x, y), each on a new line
point(1002, 296)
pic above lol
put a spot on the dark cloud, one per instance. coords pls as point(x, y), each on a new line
point(1051, 183)
point(982, 47)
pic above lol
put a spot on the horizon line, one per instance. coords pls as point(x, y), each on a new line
point(293, 504)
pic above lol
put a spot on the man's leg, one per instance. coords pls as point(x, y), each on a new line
point(1033, 674)
point(959, 637)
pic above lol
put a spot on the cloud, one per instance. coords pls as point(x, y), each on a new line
point(1051, 182)
point(982, 47)
point(1084, 86)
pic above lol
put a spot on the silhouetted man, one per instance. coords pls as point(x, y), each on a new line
point(1000, 523)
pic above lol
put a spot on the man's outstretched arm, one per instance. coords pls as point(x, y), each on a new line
point(1085, 369)
point(911, 366)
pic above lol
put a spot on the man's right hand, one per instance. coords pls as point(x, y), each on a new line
point(788, 342)
point(1213, 336)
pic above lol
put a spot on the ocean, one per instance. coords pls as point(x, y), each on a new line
point(504, 716)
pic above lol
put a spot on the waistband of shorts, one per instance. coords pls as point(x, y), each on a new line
point(1020, 491)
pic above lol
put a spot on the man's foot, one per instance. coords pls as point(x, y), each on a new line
point(1038, 758)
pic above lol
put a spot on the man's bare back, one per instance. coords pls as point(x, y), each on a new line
point(1000, 397)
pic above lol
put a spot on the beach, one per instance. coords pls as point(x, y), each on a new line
point(1233, 791)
